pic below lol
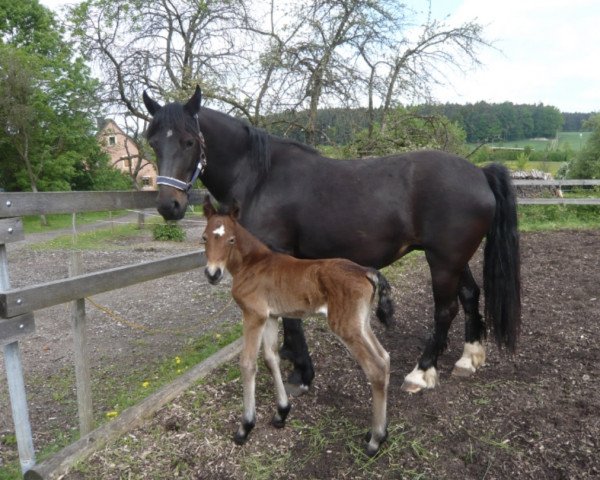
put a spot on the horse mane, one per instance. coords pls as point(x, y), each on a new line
point(260, 150)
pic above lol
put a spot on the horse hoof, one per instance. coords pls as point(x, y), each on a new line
point(371, 451)
point(240, 438)
point(462, 372)
point(410, 387)
point(418, 380)
point(295, 390)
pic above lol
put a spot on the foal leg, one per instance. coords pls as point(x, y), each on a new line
point(474, 353)
point(294, 348)
point(375, 362)
point(272, 360)
point(445, 290)
point(253, 331)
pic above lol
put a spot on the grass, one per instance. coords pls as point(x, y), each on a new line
point(119, 393)
point(535, 218)
point(32, 224)
point(575, 140)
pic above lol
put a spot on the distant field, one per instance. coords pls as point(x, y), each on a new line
point(574, 139)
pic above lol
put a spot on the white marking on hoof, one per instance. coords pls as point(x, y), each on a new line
point(418, 380)
point(219, 232)
point(169, 133)
point(472, 358)
point(295, 390)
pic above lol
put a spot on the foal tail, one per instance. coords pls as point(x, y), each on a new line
point(385, 305)
point(501, 266)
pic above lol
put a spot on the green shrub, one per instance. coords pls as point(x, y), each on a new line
point(168, 232)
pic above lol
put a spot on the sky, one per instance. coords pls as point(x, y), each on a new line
point(545, 51)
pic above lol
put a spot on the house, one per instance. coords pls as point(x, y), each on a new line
point(125, 155)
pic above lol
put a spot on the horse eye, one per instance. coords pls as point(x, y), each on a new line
point(189, 143)
point(203, 239)
point(231, 241)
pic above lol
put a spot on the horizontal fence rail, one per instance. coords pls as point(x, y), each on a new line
point(22, 300)
point(28, 203)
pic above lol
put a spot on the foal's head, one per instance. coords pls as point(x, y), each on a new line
point(218, 239)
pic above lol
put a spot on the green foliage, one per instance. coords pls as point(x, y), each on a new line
point(586, 164)
point(553, 217)
point(168, 232)
point(522, 159)
point(485, 122)
point(47, 102)
point(406, 130)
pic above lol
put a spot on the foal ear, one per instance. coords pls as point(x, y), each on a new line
point(209, 210)
point(193, 104)
point(151, 105)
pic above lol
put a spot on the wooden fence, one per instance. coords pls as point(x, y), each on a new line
point(17, 305)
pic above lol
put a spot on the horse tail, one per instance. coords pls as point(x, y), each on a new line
point(385, 305)
point(501, 265)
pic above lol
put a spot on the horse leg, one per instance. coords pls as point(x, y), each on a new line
point(272, 362)
point(474, 353)
point(375, 362)
point(445, 292)
point(253, 331)
point(294, 348)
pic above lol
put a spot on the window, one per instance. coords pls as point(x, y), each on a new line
point(127, 162)
point(146, 181)
point(112, 140)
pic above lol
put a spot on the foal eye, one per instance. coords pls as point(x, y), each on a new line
point(231, 241)
point(189, 143)
point(203, 239)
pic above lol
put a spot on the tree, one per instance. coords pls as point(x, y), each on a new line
point(586, 164)
point(264, 57)
point(408, 130)
point(47, 102)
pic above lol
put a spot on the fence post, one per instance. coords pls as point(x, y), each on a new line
point(16, 384)
point(80, 351)
point(141, 219)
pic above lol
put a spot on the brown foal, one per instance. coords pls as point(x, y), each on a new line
point(267, 285)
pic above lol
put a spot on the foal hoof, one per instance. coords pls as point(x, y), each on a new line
point(372, 447)
point(240, 438)
point(278, 420)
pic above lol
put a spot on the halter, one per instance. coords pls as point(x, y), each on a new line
point(180, 184)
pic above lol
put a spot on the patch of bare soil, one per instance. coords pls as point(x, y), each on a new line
point(534, 415)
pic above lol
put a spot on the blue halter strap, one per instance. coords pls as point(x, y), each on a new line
point(180, 184)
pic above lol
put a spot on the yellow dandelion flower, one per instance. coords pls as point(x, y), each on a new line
point(112, 414)
point(145, 384)
point(177, 360)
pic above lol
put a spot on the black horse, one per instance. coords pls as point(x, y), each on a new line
point(372, 211)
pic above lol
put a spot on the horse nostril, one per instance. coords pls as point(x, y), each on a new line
point(213, 278)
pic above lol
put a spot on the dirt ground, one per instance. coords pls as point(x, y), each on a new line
point(534, 415)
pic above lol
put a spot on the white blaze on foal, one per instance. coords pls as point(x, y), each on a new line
point(219, 232)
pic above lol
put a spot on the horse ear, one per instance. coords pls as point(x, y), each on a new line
point(209, 210)
point(193, 104)
point(151, 105)
point(235, 209)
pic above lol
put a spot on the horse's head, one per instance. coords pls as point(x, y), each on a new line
point(219, 240)
point(174, 135)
